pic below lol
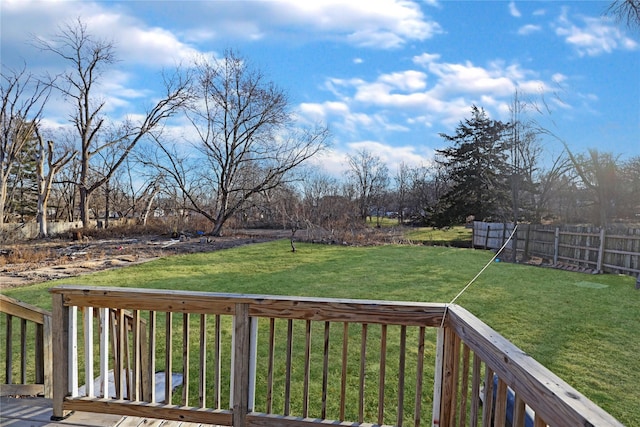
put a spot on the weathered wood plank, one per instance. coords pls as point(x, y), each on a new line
point(8, 348)
point(464, 392)
point(21, 389)
point(22, 310)
point(402, 362)
point(307, 370)
point(383, 372)
point(149, 410)
point(36, 412)
point(47, 355)
point(168, 357)
point(501, 404)
point(322, 309)
point(419, 379)
point(270, 420)
point(202, 379)
point(288, 367)
point(343, 373)
point(325, 369)
point(185, 358)
point(361, 376)
point(475, 390)
point(271, 351)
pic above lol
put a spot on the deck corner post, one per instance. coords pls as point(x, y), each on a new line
point(60, 345)
point(241, 350)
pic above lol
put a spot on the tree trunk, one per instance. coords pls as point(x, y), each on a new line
point(42, 208)
point(84, 206)
point(3, 199)
point(107, 191)
point(147, 209)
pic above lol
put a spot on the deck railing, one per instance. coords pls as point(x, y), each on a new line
point(25, 324)
point(255, 360)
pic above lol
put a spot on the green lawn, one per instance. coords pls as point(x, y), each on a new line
point(585, 328)
point(458, 233)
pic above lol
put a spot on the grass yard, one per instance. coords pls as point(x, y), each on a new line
point(585, 328)
point(451, 235)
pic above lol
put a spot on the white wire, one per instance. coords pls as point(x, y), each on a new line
point(444, 315)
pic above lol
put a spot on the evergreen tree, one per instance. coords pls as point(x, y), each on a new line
point(476, 167)
point(22, 183)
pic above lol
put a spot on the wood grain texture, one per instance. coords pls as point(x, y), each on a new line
point(149, 410)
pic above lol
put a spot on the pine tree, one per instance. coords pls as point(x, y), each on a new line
point(477, 168)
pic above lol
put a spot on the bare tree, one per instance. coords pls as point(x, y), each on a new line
point(47, 167)
point(599, 174)
point(552, 182)
point(523, 157)
point(370, 178)
point(23, 99)
point(627, 11)
point(403, 186)
point(88, 58)
point(245, 136)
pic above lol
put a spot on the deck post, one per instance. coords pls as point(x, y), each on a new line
point(60, 333)
point(241, 351)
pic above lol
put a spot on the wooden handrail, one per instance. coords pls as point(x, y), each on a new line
point(479, 377)
point(41, 336)
point(528, 379)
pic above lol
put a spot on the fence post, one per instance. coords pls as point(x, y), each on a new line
point(60, 335)
point(556, 245)
point(514, 242)
point(486, 237)
point(601, 250)
point(526, 243)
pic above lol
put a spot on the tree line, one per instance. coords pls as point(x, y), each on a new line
point(246, 160)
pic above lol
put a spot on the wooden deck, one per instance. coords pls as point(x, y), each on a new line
point(37, 411)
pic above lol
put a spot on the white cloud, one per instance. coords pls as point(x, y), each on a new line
point(558, 78)
point(525, 30)
point(440, 92)
point(358, 60)
point(379, 24)
point(393, 156)
point(595, 36)
point(513, 10)
point(425, 58)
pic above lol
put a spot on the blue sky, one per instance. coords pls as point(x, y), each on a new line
point(386, 75)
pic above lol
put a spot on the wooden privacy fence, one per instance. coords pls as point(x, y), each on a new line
point(604, 250)
point(256, 360)
point(25, 324)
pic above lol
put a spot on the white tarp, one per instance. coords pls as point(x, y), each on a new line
point(176, 381)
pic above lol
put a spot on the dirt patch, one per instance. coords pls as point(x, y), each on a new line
point(43, 260)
